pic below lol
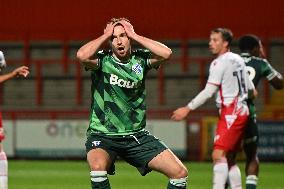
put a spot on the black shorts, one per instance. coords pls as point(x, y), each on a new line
point(251, 132)
point(137, 149)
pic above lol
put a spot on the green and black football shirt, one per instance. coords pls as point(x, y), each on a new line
point(257, 68)
point(118, 94)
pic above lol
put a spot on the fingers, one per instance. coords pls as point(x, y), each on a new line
point(180, 114)
point(176, 116)
point(128, 28)
point(109, 29)
point(23, 71)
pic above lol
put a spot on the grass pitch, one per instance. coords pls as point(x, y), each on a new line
point(75, 175)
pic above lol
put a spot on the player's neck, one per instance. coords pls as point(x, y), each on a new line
point(223, 51)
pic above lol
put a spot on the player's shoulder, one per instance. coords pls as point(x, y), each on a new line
point(141, 52)
point(229, 57)
point(261, 60)
point(103, 53)
point(234, 56)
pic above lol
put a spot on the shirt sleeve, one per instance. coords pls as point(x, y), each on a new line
point(100, 55)
point(203, 96)
point(268, 71)
point(216, 72)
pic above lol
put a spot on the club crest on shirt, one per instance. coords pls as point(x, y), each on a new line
point(96, 143)
point(137, 68)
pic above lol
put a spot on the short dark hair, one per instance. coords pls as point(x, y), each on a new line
point(248, 42)
point(227, 34)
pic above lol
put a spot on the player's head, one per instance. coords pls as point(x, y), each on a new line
point(220, 40)
point(251, 44)
point(120, 42)
point(2, 61)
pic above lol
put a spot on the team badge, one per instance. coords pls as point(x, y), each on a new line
point(137, 68)
point(96, 143)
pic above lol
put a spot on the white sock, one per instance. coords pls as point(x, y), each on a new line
point(220, 174)
point(235, 177)
point(251, 179)
point(3, 171)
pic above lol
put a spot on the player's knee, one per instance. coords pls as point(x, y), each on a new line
point(182, 172)
point(218, 156)
point(96, 167)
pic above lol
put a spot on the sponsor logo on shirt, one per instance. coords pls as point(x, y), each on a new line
point(115, 80)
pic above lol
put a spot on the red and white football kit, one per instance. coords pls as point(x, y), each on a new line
point(228, 72)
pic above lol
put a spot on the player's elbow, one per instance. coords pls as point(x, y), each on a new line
point(81, 56)
point(167, 54)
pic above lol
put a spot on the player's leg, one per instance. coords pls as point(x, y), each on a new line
point(227, 139)
point(3, 160)
point(100, 161)
point(252, 165)
point(250, 149)
point(3, 169)
point(235, 179)
point(168, 164)
point(220, 168)
point(147, 153)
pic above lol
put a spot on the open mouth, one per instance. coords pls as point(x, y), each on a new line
point(120, 49)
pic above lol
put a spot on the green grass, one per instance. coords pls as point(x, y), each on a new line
point(75, 175)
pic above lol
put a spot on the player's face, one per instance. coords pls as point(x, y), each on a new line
point(217, 45)
point(120, 43)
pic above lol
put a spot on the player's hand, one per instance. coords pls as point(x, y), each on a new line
point(180, 113)
point(128, 28)
point(22, 71)
point(108, 31)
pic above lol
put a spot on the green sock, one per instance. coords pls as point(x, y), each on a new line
point(101, 185)
point(170, 186)
point(250, 186)
point(251, 182)
point(177, 183)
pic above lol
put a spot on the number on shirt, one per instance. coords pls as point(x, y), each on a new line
point(241, 81)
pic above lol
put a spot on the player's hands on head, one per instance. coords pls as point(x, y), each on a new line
point(128, 28)
point(180, 113)
point(109, 29)
point(22, 71)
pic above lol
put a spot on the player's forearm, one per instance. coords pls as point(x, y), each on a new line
point(158, 49)
point(88, 50)
point(7, 76)
point(203, 96)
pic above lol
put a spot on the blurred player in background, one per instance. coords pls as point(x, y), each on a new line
point(228, 78)
point(118, 109)
point(252, 51)
point(20, 71)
